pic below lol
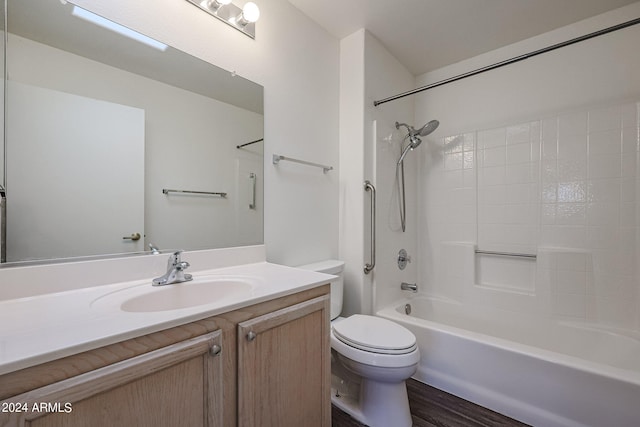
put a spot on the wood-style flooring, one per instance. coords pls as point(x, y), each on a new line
point(431, 407)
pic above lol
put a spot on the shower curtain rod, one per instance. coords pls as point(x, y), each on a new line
point(249, 143)
point(510, 61)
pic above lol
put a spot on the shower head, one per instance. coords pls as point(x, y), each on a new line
point(428, 128)
point(414, 135)
point(423, 131)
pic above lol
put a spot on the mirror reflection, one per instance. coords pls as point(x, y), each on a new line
point(102, 122)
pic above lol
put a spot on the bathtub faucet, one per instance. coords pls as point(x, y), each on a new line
point(409, 287)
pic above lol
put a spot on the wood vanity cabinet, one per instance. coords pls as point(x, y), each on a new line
point(180, 384)
point(282, 361)
point(263, 365)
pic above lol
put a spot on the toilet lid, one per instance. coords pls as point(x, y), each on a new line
point(374, 334)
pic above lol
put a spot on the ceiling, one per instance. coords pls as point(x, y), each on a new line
point(428, 34)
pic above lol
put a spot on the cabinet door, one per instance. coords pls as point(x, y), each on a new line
point(284, 367)
point(178, 385)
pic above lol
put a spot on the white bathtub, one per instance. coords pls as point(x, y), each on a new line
point(547, 375)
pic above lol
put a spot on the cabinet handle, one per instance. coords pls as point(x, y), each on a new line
point(215, 350)
point(251, 336)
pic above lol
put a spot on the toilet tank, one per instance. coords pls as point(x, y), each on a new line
point(335, 267)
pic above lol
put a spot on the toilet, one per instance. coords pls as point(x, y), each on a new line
point(377, 353)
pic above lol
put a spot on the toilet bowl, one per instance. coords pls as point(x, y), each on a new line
point(383, 355)
point(377, 353)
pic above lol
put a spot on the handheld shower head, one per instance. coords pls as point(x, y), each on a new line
point(404, 153)
point(414, 141)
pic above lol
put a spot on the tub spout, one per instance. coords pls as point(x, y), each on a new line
point(409, 287)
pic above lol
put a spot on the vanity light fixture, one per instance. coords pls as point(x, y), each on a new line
point(216, 4)
point(243, 20)
point(117, 28)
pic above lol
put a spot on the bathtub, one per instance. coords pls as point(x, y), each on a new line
point(554, 374)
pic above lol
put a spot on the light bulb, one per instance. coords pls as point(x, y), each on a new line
point(250, 12)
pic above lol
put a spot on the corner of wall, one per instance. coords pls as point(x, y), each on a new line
point(351, 168)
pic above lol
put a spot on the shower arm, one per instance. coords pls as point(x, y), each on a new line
point(409, 128)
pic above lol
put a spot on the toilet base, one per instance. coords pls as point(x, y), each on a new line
point(380, 404)
point(347, 404)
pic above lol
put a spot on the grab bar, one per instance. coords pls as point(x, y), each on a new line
point(369, 187)
point(208, 193)
point(252, 188)
point(509, 254)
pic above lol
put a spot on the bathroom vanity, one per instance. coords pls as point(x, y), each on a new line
point(255, 360)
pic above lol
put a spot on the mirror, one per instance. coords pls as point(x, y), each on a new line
point(113, 144)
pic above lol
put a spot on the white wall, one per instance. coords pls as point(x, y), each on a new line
point(384, 76)
point(297, 63)
point(540, 156)
point(352, 172)
point(369, 148)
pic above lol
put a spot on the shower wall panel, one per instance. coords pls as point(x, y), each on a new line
point(554, 172)
point(564, 187)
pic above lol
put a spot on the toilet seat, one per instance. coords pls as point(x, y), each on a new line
point(374, 334)
point(361, 340)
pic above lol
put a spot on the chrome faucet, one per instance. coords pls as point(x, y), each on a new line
point(154, 249)
point(409, 287)
point(175, 271)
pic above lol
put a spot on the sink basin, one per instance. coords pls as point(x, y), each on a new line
point(183, 295)
point(202, 291)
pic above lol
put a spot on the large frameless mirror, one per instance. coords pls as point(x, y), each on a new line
point(115, 141)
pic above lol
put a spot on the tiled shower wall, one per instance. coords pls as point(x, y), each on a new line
point(565, 187)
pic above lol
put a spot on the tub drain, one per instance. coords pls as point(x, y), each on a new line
point(407, 309)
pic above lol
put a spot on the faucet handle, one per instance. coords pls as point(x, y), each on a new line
point(174, 259)
point(182, 265)
point(403, 259)
point(154, 249)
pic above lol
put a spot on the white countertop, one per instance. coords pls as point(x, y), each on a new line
point(44, 327)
